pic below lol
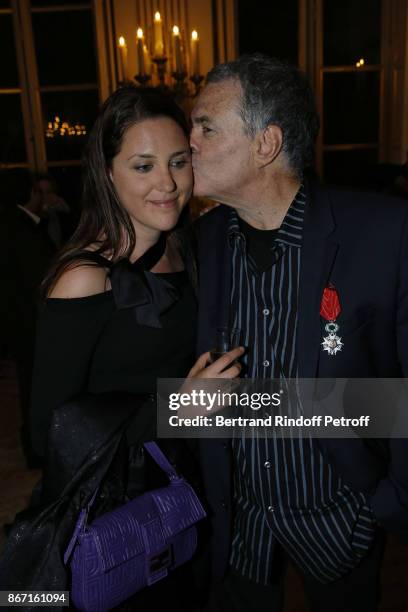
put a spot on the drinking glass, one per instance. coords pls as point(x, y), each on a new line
point(226, 339)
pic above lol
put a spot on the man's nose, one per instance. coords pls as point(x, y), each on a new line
point(193, 143)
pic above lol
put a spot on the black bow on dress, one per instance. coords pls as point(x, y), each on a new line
point(134, 286)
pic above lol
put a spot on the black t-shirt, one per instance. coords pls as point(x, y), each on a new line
point(259, 244)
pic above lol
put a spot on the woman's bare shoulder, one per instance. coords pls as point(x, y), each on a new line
point(81, 281)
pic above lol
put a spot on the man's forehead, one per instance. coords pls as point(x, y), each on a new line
point(216, 98)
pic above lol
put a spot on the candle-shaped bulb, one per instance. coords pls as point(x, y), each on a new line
point(158, 35)
point(122, 59)
point(195, 57)
point(177, 49)
point(140, 52)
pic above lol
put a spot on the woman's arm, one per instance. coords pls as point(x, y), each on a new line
point(68, 329)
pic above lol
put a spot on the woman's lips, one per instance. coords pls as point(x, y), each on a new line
point(164, 203)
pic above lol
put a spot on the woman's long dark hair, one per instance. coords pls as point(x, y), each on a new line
point(104, 222)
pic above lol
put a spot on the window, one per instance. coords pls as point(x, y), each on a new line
point(13, 154)
point(57, 58)
point(349, 90)
point(354, 54)
point(269, 27)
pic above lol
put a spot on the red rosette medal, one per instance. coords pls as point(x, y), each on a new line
point(330, 310)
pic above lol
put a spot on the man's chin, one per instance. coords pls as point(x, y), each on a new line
point(199, 191)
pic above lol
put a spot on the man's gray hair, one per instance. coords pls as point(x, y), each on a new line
point(275, 93)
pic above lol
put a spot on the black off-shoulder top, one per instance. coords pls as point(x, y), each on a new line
point(92, 344)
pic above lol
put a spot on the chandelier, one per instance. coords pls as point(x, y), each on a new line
point(56, 128)
point(166, 57)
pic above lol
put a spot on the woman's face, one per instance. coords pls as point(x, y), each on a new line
point(152, 174)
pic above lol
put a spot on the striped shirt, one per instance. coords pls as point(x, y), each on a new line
point(284, 491)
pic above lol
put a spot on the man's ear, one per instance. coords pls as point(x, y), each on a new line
point(268, 145)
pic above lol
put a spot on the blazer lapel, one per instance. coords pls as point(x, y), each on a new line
point(319, 250)
point(214, 276)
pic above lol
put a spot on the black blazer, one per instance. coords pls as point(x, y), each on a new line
point(25, 254)
point(358, 242)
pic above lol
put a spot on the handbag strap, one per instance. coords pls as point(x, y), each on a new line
point(160, 458)
point(80, 524)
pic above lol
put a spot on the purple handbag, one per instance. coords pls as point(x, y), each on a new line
point(135, 545)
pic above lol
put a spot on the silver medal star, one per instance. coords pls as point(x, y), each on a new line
point(332, 343)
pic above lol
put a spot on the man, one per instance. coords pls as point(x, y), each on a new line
point(267, 258)
point(27, 250)
point(53, 210)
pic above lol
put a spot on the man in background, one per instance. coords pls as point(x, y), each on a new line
point(29, 237)
point(55, 213)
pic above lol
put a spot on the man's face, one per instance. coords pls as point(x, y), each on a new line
point(44, 192)
point(221, 150)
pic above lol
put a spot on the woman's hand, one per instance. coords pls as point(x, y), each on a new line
point(226, 366)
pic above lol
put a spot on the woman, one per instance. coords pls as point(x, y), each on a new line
point(138, 179)
point(119, 311)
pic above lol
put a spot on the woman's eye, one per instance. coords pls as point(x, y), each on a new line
point(144, 168)
point(179, 163)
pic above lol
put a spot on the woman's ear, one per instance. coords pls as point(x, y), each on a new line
point(269, 142)
point(110, 174)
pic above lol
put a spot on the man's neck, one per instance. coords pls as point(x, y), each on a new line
point(266, 204)
point(33, 208)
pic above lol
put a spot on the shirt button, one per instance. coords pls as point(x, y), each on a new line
point(265, 363)
point(267, 464)
point(271, 509)
point(265, 311)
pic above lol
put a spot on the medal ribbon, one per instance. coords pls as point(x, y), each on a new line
point(330, 305)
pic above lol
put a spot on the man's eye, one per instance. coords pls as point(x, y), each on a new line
point(206, 129)
point(144, 168)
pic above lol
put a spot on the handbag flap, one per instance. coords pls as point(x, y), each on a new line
point(179, 507)
point(146, 524)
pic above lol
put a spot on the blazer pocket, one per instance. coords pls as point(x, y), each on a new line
point(353, 360)
point(356, 322)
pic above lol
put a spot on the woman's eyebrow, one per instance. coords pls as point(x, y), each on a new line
point(151, 156)
point(143, 155)
point(180, 152)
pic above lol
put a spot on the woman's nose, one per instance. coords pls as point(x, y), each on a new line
point(167, 182)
